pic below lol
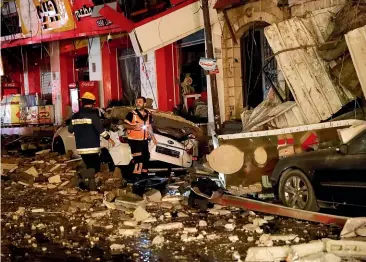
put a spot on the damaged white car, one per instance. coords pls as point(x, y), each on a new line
point(176, 149)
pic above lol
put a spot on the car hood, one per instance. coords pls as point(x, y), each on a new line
point(165, 122)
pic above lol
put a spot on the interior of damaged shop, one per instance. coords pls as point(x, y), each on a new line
point(257, 148)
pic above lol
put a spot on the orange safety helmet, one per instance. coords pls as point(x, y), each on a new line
point(89, 96)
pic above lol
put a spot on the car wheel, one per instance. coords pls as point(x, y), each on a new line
point(296, 191)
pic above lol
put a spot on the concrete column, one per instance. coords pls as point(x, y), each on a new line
point(66, 78)
point(165, 77)
point(95, 66)
point(148, 77)
point(111, 83)
point(56, 81)
point(25, 73)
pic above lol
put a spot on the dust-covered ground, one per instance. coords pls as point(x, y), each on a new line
point(44, 217)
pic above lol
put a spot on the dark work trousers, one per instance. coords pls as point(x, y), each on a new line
point(92, 161)
point(141, 157)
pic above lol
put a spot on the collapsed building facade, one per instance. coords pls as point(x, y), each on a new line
point(304, 50)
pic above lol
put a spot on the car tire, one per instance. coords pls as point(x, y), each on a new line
point(295, 190)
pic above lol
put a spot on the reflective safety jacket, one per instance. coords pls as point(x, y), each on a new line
point(142, 133)
point(87, 128)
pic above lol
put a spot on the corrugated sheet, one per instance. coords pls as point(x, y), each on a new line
point(305, 72)
point(356, 42)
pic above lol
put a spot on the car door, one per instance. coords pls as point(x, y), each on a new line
point(345, 174)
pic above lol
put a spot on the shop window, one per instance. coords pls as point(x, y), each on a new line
point(82, 68)
point(260, 72)
point(130, 75)
point(9, 19)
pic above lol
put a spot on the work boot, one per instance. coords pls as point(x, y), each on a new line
point(88, 179)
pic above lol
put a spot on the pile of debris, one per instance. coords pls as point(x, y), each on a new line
point(43, 213)
point(317, 55)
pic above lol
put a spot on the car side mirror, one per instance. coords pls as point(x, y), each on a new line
point(343, 149)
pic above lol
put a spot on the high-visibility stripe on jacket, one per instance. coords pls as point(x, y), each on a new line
point(142, 133)
point(87, 128)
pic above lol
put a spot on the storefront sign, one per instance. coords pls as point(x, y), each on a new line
point(10, 85)
point(103, 22)
point(83, 12)
point(88, 83)
point(45, 16)
point(209, 64)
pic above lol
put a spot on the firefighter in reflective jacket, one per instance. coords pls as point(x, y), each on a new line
point(139, 130)
point(87, 128)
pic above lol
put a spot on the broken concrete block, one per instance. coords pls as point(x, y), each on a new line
point(219, 212)
point(352, 224)
point(109, 205)
point(117, 247)
point(259, 221)
point(190, 230)
point(149, 220)
point(361, 231)
point(140, 214)
point(53, 169)
point(32, 171)
point(130, 201)
point(80, 205)
point(43, 152)
point(172, 199)
point(258, 254)
point(51, 186)
point(169, 226)
point(320, 257)
point(129, 232)
point(250, 227)
point(130, 223)
point(346, 248)
point(234, 239)
point(181, 214)
point(110, 196)
point(54, 179)
point(38, 210)
point(236, 256)
point(166, 205)
point(158, 240)
point(213, 237)
point(20, 211)
point(99, 214)
point(145, 226)
point(117, 173)
point(64, 183)
point(202, 223)
point(153, 195)
point(23, 183)
point(229, 227)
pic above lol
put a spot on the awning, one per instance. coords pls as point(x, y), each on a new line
point(223, 4)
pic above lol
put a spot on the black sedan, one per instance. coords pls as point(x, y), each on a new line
point(333, 177)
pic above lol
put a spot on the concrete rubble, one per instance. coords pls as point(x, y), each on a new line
point(115, 220)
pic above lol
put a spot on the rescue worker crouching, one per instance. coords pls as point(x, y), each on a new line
point(139, 130)
point(87, 128)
